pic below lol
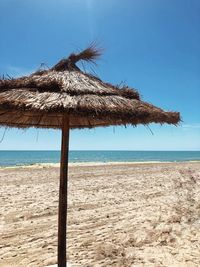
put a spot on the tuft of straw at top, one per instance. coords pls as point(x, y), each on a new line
point(90, 54)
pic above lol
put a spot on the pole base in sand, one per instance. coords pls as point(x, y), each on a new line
point(68, 265)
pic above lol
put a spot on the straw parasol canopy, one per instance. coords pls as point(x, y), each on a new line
point(65, 97)
point(41, 99)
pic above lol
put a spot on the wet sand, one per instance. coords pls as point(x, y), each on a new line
point(118, 215)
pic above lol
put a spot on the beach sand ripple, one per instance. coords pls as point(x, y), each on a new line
point(118, 215)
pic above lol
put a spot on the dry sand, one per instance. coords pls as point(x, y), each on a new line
point(119, 215)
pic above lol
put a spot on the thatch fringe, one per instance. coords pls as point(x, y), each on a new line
point(74, 83)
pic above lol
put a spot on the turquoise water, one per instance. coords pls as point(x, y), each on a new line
point(12, 158)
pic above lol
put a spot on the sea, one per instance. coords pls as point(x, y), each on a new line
point(18, 158)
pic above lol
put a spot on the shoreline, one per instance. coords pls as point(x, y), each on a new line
point(90, 164)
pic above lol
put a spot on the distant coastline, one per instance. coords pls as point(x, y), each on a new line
point(28, 158)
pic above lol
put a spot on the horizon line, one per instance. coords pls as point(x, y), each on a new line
point(142, 150)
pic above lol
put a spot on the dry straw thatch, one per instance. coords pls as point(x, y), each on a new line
point(41, 99)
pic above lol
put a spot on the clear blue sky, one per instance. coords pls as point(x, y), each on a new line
point(152, 45)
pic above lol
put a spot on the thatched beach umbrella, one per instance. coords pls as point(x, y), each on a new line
point(65, 97)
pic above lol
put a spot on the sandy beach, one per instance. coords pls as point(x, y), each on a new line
point(118, 215)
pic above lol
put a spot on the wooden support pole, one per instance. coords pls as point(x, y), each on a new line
point(62, 212)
